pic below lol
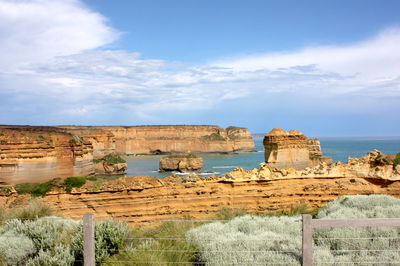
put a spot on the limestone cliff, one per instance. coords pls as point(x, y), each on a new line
point(36, 154)
point(103, 141)
point(292, 149)
point(145, 200)
point(167, 139)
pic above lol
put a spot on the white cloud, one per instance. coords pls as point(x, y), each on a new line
point(51, 60)
point(37, 30)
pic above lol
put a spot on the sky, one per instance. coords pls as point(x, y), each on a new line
point(326, 68)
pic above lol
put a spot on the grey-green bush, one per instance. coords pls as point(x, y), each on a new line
point(249, 240)
point(45, 233)
point(15, 249)
point(56, 241)
point(59, 256)
point(110, 237)
point(372, 238)
point(253, 240)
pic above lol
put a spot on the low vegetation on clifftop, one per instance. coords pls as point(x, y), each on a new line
point(29, 237)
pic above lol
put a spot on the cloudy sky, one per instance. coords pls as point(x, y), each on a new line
point(327, 68)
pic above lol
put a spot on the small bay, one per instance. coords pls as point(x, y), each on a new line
point(339, 148)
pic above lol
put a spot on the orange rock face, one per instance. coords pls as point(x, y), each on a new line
point(292, 149)
point(139, 199)
point(36, 154)
point(166, 139)
point(181, 164)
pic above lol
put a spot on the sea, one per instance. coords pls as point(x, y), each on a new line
point(338, 148)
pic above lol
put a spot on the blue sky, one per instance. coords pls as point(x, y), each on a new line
point(326, 68)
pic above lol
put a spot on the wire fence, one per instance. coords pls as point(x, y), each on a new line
point(173, 245)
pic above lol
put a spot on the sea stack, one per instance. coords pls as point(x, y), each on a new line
point(181, 163)
point(292, 150)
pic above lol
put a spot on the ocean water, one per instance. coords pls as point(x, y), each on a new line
point(340, 149)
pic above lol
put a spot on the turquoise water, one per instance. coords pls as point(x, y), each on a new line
point(337, 148)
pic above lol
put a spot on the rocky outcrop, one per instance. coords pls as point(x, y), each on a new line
point(145, 200)
point(181, 163)
point(111, 164)
point(36, 154)
point(167, 139)
point(374, 165)
point(292, 149)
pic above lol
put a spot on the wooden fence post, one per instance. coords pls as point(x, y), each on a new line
point(88, 240)
point(307, 240)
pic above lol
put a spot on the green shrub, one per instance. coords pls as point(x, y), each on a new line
point(92, 178)
point(97, 161)
point(164, 243)
point(110, 237)
point(213, 137)
point(42, 188)
point(24, 188)
point(229, 214)
point(396, 160)
point(5, 190)
point(36, 189)
point(113, 158)
point(35, 209)
point(73, 181)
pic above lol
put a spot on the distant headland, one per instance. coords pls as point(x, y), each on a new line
point(39, 153)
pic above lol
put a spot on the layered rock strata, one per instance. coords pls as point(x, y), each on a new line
point(146, 200)
point(168, 139)
point(374, 165)
point(37, 154)
point(292, 149)
point(103, 141)
point(181, 163)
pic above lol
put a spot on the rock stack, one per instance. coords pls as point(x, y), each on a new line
point(181, 163)
point(292, 150)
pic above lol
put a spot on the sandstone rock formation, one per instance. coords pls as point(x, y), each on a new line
point(103, 141)
point(145, 200)
point(374, 165)
point(181, 163)
point(36, 154)
point(165, 139)
point(111, 164)
point(292, 149)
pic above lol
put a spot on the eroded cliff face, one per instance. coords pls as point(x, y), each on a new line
point(148, 199)
point(170, 139)
point(103, 141)
point(144, 200)
point(292, 149)
point(36, 154)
